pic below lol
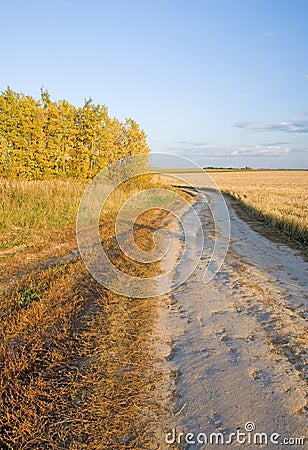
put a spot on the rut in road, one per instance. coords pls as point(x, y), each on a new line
point(237, 344)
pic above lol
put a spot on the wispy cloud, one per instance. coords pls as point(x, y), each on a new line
point(185, 149)
point(214, 151)
point(261, 150)
point(268, 34)
point(296, 125)
point(191, 144)
point(306, 76)
point(302, 150)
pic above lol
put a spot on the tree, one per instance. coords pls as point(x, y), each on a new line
point(44, 139)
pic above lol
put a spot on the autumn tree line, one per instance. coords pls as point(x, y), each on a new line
point(41, 139)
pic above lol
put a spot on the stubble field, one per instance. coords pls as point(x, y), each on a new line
point(277, 198)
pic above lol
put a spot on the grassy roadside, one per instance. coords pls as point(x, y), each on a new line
point(37, 212)
point(76, 364)
point(280, 232)
point(30, 210)
point(277, 228)
point(76, 360)
point(276, 199)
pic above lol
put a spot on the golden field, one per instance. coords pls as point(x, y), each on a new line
point(277, 198)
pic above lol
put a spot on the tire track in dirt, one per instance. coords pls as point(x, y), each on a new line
point(237, 344)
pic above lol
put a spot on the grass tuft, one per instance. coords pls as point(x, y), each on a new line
point(26, 296)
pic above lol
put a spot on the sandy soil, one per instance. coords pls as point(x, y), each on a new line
point(234, 349)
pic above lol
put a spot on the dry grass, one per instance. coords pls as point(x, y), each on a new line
point(277, 198)
point(29, 209)
point(38, 211)
point(76, 360)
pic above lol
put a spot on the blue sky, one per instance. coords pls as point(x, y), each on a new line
point(222, 82)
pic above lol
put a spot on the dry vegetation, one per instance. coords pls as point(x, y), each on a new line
point(76, 360)
point(30, 209)
point(277, 198)
point(76, 366)
point(40, 211)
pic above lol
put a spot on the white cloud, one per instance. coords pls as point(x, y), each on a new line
point(267, 34)
point(296, 125)
point(261, 150)
point(216, 151)
point(191, 144)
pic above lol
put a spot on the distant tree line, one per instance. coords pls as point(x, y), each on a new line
point(47, 139)
point(228, 168)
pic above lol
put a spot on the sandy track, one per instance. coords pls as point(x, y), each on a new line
point(237, 344)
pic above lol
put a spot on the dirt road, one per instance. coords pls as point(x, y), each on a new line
point(237, 344)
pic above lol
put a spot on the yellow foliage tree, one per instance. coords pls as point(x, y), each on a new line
point(46, 139)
